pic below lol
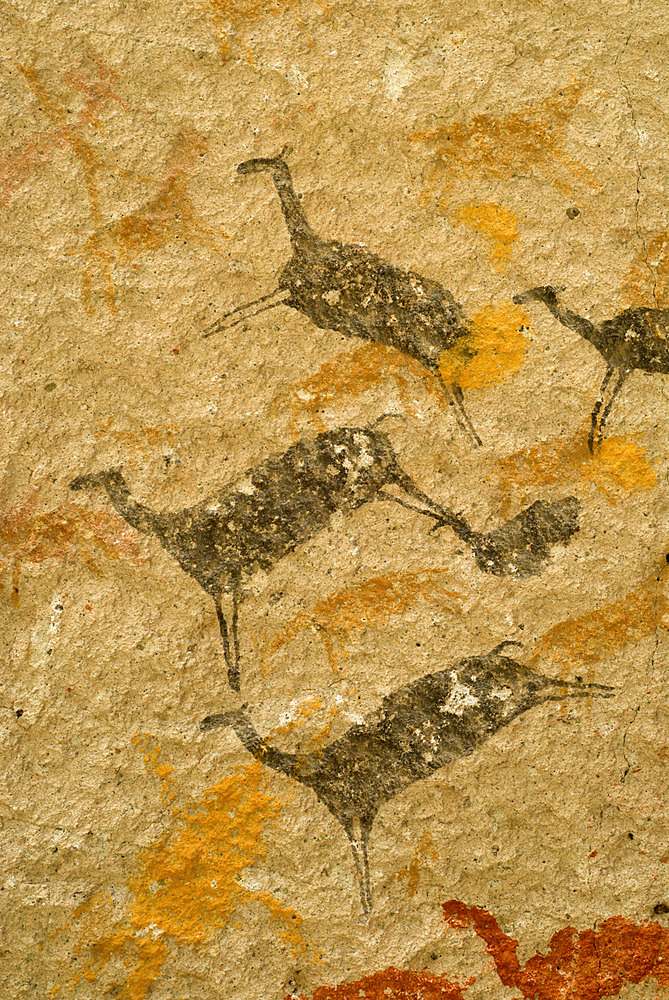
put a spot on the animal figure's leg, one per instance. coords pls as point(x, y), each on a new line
point(230, 652)
point(453, 394)
point(220, 324)
point(597, 407)
point(459, 403)
point(354, 832)
point(365, 831)
point(326, 639)
point(616, 389)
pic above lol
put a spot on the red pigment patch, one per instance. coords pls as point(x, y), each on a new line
point(391, 984)
point(586, 964)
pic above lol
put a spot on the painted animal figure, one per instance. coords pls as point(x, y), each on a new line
point(418, 729)
point(634, 340)
point(278, 505)
point(344, 287)
point(290, 498)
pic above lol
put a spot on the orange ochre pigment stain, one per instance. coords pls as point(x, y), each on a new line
point(591, 637)
point(578, 965)
point(371, 602)
point(391, 984)
point(27, 537)
point(619, 467)
point(499, 147)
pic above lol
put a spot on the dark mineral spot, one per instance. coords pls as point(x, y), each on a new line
point(573, 212)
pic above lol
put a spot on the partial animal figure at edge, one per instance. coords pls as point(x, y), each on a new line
point(417, 730)
point(289, 498)
point(634, 340)
point(344, 287)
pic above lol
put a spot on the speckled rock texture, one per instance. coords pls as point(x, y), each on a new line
point(334, 539)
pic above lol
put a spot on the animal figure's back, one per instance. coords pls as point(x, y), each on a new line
point(346, 288)
point(637, 339)
point(416, 731)
point(279, 504)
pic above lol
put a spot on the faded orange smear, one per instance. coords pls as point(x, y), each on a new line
point(391, 984)
point(186, 886)
point(494, 349)
point(358, 606)
point(95, 80)
point(589, 638)
point(647, 280)
point(349, 376)
point(167, 216)
point(497, 224)
point(617, 469)
point(425, 852)
point(229, 16)
point(28, 537)
point(151, 748)
point(500, 147)
point(588, 965)
point(143, 441)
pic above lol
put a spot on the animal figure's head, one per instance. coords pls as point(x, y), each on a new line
point(223, 719)
point(503, 688)
point(264, 164)
point(105, 480)
point(543, 293)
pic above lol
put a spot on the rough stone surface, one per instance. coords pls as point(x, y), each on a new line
point(436, 161)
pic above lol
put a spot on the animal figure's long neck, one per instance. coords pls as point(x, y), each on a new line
point(573, 321)
point(136, 514)
point(298, 227)
point(287, 763)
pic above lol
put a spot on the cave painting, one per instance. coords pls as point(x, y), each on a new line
point(288, 499)
point(418, 729)
point(531, 139)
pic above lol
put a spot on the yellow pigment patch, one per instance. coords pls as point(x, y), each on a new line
point(618, 468)
point(151, 748)
point(498, 225)
point(494, 349)
point(185, 885)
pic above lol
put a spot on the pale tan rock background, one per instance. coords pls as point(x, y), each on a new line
point(141, 857)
